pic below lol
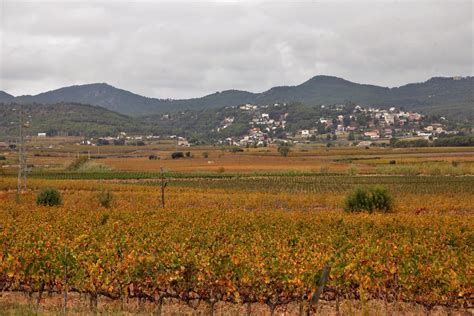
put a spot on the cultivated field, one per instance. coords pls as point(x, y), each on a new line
point(246, 232)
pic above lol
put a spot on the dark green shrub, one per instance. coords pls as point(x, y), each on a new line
point(284, 149)
point(392, 162)
point(49, 197)
point(381, 199)
point(357, 201)
point(205, 154)
point(177, 155)
point(235, 149)
point(106, 198)
point(3, 158)
point(119, 142)
point(153, 157)
point(370, 200)
point(102, 142)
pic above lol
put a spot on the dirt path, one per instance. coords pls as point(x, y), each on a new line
point(18, 303)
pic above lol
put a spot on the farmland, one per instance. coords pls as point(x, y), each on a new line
point(251, 228)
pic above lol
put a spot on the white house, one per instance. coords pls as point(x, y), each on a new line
point(305, 133)
point(389, 118)
point(364, 143)
point(372, 135)
point(183, 142)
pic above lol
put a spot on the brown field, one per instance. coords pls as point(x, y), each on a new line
point(57, 153)
point(249, 232)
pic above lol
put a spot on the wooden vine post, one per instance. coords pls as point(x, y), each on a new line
point(65, 280)
point(322, 283)
point(163, 184)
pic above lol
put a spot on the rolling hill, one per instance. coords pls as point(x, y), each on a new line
point(5, 97)
point(71, 118)
point(452, 96)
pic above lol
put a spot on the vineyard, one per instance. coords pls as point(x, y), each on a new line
point(241, 239)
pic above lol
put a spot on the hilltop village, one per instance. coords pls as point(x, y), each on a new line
point(251, 125)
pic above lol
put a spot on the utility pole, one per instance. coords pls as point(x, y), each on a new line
point(163, 184)
point(22, 154)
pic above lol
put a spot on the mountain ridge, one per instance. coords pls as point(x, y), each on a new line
point(436, 92)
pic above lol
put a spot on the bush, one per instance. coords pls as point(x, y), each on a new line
point(49, 197)
point(102, 142)
point(455, 141)
point(3, 158)
point(410, 143)
point(235, 149)
point(381, 199)
point(106, 198)
point(392, 162)
point(153, 157)
point(177, 155)
point(119, 142)
point(284, 149)
point(77, 163)
point(205, 155)
point(370, 200)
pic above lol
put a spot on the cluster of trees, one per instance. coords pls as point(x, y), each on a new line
point(409, 143)
point(454, 141)
point(446, 141)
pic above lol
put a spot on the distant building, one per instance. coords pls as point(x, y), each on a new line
point(389, 118)
point(305, 133)
point(364, 143)
point(183, 143)
point(41, 134)
point(372, 135)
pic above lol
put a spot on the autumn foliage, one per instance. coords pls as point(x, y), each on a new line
point(248, 246)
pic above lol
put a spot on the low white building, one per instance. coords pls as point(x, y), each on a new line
point(183, 142)
point(364, 143)
point(305, 133)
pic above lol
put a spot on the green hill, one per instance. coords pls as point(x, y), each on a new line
point(450, 96)
point(70, 118)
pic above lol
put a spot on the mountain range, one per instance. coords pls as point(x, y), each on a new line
point(452, 96)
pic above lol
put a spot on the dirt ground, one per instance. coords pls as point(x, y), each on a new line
point(16, 303)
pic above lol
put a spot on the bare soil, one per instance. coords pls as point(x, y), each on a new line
point(20, 303)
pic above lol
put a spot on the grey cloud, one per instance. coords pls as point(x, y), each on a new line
point(189, 49)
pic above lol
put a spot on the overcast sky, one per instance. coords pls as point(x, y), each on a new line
point(190, 49)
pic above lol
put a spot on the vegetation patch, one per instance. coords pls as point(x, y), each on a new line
point(369, 200)
point(94, 167)
point(106, 198)
point(49, 197)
